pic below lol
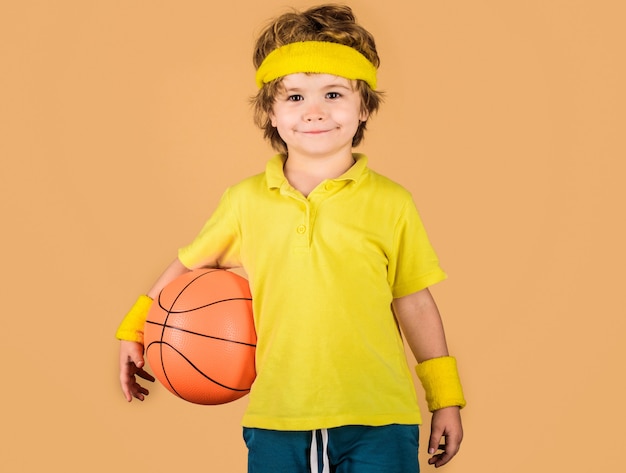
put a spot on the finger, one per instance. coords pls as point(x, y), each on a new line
point(138, 391)
point(145, 375)
point(126, 389)
point(137, 360)
point(448, 451)
point(440, 459)
point(130, 387)
point(141, 393)
point(435, 442)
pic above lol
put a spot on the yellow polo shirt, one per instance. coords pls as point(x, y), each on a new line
point(323, 271)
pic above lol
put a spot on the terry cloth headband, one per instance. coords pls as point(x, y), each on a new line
point(317, 57)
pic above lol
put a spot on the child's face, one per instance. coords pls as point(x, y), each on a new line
point(317, 114)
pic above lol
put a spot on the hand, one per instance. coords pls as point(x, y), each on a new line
point(131, 364)
point(446, 423)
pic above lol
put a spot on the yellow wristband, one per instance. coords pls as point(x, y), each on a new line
point(440, 379)
point(131, 328)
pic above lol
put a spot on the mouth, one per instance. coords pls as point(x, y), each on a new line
point(314, 132)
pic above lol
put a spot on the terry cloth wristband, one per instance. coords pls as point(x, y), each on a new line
point(440, 379)
point(131, 328)
point(317, 57)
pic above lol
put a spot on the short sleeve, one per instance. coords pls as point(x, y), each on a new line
point(219, 242)
point(414, 265)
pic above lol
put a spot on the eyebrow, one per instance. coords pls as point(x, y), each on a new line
point(326, 87)
point(338, 86)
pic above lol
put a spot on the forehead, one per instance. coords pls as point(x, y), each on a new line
point(303, 80)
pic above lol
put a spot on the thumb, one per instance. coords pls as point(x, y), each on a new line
point(137, 359)
point(435, 439)
point(139, 362)
point(135, 354)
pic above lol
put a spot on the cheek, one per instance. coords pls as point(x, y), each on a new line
point(279, 116)
point(356, 111)
point(353, 117)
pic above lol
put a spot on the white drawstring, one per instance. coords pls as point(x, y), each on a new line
point(314, 453)
point(314, 461)
point(326, 467)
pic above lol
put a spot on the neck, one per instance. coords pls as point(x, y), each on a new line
point(305, 173)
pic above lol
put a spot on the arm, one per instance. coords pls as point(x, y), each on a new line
point(175, 269)
point(131, 352)
point(421, 324)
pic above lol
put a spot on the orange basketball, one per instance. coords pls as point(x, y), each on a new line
point(200, 338)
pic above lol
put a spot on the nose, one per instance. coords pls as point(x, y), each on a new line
point(314, 112)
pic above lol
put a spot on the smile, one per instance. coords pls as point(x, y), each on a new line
point(314, 132)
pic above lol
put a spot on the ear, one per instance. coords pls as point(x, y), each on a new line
point(364, 115)
point(272, 118)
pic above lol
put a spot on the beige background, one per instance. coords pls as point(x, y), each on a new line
point(121, 122)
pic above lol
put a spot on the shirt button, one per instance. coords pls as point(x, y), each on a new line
point(328, 186)
point(301, 229)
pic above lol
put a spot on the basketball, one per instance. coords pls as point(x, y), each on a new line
point(200, 339)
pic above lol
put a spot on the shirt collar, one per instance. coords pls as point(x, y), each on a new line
point(276, 177)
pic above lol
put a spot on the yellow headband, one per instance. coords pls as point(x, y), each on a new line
point(316, 57)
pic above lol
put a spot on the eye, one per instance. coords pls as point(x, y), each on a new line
point(333, 95)
point(295, 98)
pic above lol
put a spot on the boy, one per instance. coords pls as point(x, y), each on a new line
point(337, 259)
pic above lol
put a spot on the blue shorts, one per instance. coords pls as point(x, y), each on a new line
point(349, 449)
